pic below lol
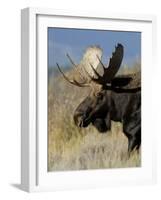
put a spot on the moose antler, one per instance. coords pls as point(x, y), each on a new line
point(89, 56)
point(112, 69)
point(91, 61)
point(74, 82)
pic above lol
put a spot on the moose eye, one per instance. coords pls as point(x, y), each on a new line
point(100, 95)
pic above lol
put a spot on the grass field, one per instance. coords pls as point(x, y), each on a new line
point(72, 148)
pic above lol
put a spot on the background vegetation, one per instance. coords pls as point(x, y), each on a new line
point(73, 148)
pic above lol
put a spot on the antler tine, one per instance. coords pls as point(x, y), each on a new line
point(94, 70)
point(73, 63)
point(101, 63)
point(99, 78)
point(80, 84)
point(73, 82)
point(71, 60)
point(88, 74)
point(114, 65)
point(65, 77)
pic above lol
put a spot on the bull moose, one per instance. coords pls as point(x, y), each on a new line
point(111, 98)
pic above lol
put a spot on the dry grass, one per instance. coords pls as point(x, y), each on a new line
point(72, 148)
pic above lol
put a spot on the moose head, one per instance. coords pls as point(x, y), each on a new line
point(94, 108)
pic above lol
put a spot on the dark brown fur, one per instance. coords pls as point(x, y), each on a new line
point(117, 104)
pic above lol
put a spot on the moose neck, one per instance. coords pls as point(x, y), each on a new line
point(122, 103)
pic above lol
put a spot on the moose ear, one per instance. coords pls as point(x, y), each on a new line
point(120, 81)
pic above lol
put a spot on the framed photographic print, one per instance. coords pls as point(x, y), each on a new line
point(86, 107)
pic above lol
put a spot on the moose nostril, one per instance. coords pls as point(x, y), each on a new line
point(81, 120)
point(80, 123)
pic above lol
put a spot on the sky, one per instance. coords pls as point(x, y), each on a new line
point(74, 42)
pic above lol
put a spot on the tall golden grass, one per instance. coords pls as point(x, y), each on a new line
point(73, 148)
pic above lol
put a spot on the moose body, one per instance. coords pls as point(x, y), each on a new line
point(117, 106)
point(109, 98)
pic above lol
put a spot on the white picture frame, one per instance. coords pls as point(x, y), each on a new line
point(34, 175)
